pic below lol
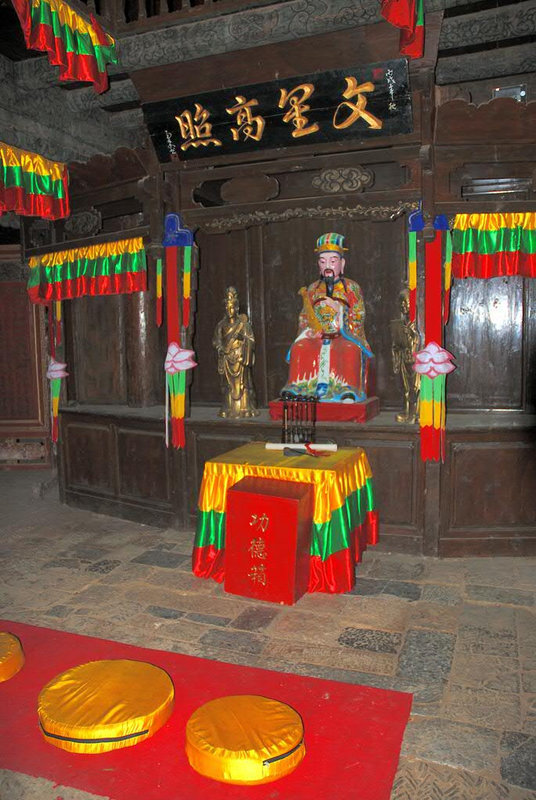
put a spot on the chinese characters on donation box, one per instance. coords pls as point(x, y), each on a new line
point(257, 549)
point(374, 100)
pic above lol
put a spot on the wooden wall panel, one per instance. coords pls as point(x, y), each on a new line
point(21, 398)
point(143, 466)
point(485, 334)
point(89, 457)
point(98, 347)
point(488, 495)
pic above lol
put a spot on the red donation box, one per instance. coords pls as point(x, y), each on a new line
point(268, 539)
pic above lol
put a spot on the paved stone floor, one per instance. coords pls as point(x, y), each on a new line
point(460, 634)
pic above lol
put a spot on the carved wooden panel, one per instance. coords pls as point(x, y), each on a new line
point(89, 456)
point(500, 120)
point(143, 466)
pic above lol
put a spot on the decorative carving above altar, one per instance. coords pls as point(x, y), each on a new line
point(349, 179)
point(376, 213)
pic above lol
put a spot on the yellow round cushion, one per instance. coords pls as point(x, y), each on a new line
point(11, 656)
point(105, 705)
point(245, 739)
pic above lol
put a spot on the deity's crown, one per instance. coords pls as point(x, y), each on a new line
point(330, 241)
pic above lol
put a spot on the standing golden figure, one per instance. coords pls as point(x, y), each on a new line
point(406, 341)
point(234, 342)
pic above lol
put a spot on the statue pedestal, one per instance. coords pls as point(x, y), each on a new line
point(340, 412)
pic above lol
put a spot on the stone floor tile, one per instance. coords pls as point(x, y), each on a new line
point(404, 590)
point(87, 551)
point(208, 619)
point(159, 558)
point(480, 671)
point(381, 612)
point(423, 780)
point(15, 786)
point(452, 743)
point(305, 626)
point(104, 567)
point(164, 613)
point(367, 639)
point(518, 759)
point(368, 586)
point(529, 681)
point(426, 655)
point(444, 571)
point(397, 568)
point(494, 618)
point(432, 616)
point(427, 698)
point(491, 709)
point(473, 639)
point(493, 594)
point(338, 657)
point(240, 641)
point(495, 571)
point(528, 724)
point(255, 618)
point(441, 594)
point(322, 603)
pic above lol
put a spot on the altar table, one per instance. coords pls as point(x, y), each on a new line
point(344, 516)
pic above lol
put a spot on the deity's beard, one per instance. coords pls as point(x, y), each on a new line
point(329, 278)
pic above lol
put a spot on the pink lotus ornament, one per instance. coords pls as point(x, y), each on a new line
point(433, 361)
point(56, 370)
point(178, 359)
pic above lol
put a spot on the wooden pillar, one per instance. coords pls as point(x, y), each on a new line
point(142, 350)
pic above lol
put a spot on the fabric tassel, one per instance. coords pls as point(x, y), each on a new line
point(178, 359)
point(159, 292)
point(57, 310)
point(55, 372)
point(186, 285)
point(447, 277)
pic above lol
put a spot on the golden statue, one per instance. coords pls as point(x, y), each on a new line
point(406, 341)
point(235, 345)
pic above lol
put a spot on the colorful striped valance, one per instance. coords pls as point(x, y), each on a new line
point(32, 185)
point(113, 268)
point(81, 49)
point(491, 245)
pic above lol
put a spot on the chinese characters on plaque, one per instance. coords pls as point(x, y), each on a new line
point(357, 103)
point(257, 549)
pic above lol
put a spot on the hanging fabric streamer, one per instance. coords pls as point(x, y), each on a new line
point(434, 362)
point(447, 276)
point(57, 314)
point(178, 359)
point(159, 292)
point(55, 372)
point(415, 224)
point(186, 285)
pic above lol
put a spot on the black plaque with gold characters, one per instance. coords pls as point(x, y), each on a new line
point(355, 103)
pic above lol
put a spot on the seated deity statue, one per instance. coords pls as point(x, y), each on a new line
point(330, 358)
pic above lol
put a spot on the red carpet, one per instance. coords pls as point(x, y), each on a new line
point(352, 733)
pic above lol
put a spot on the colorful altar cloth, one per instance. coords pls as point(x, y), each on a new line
point(344, 517)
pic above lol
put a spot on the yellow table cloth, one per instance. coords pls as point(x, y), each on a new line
point(344, 516)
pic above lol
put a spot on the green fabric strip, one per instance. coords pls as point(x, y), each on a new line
point(420, 13)
point(412, 246)
point(88, 267)
point(503, 240)
point(327, 537)
point(427, 388)
point(31, 182)
point(210, 529)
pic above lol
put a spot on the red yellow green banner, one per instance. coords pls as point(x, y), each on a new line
point(80, 48)
point(493, 245)
point(113, 268)
point(31, 185)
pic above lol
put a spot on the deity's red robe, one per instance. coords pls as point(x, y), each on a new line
point(332, 363)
